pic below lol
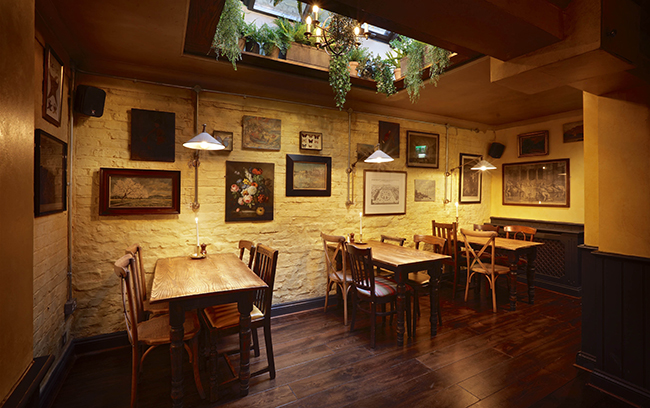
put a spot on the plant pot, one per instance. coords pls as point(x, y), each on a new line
point(352, 66)
point(308, 55)
point(275, 53)
point(242, 44)
point(403, 65)
point(252, 47)
point(398, 73)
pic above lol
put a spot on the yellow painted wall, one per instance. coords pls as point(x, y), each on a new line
point(557, 150)
point(592, 207)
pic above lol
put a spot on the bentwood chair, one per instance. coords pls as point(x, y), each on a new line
point(419, 281)
point(476, 264)
point(153, 332)
point(373, 290)
point(223, 320)
point(141, 285)
point(517, 232)
point(449, 233)
point(390, 240)
point(335, 276)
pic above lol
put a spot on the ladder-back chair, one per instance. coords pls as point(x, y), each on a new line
point(449, 233)
point(149, 309)
point(247, 246)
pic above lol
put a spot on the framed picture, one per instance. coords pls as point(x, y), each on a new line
point(533, 144)
point(225, 138)
point(364, 151)
point(261, 133)
point(133, 191)
point(573, 132)
point(470, 181)
point(50, 164)
point(311, 141)
point(153, 135)
point(384, 192)
point(425, 190)
point(422, 149)
point(309, 176)
point(249, 191)
point(52, 87)
point(389, 138)
point(541, 184)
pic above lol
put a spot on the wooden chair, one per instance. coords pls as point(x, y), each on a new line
point(141, 286)
point(486, 227)
point(153, 332)
point(517, 232)
point(391, 240)
point(475, 264)
point(247, 246)
point(335, 276)
point(223, 320)
point(419, 281)
point(374, 290)
point(449, 233)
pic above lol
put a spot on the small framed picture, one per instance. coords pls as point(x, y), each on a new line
point(225, 138)
point(533, 144)
point(389, 138)
point(153, 135)
point(311, 141)
point(52, 87)
point(422, 149)
point(573, 132)
point(384, 192)
point(50, 164)
point(309, 176)
point(261, 133)
point(425, 190)
point(469, 190)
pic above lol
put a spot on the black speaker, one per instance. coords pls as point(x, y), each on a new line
point(496, 150)
point(90, 100)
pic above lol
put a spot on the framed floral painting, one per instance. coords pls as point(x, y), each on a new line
point(249, 191)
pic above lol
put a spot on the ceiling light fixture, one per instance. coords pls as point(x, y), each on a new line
point(337, 34)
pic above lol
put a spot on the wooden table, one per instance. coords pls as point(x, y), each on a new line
point(402, 261)
point(197, 283)
point(515, 249)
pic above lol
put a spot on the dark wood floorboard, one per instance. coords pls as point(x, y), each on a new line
point(479, 358)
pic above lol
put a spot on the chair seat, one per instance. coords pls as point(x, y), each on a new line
point(419, 278)
point(227, 316)
point(338, 276)
point(498, 269)
point(155, 331)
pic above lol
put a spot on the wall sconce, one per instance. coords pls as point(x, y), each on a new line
point(202, 141)
point(480, 165)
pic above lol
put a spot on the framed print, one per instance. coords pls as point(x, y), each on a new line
point(309, 176)
point(533, 144)
point(470, 181)
point(153, 135)
point(261, 133)
point(249, 191)
point(389, 138)
point(384, 192)
point(573, 132)
point(425, 190)
point(311, 141)
point(52, 87)
point(133, 191)
point(541, 184)
point(422, 149)
point(364, 151)
point(225, 138)
point(50, 164)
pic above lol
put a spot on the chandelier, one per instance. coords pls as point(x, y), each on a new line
point(337, 34)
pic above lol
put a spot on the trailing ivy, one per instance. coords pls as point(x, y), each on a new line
point(226, 37)
point(339, 75)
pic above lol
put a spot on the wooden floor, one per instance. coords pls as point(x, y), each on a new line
point(478, 359)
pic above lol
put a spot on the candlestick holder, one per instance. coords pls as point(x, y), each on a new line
point(199, 254)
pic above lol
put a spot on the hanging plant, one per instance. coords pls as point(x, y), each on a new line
point(413, 78)
point(339, 75)
point(384, 76)
point(226, 37)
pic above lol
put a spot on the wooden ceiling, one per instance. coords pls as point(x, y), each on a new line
point(168, 41)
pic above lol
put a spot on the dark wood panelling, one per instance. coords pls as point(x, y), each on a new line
point(612, 317)
point(633, 319)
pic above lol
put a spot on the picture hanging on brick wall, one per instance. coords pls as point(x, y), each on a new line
point(135, 191)
point(52, 87)
point(311, 141)
point(389, 138)
point(153, 135)
point(261, 133)
point(50, 163)
point(309, 176)
point(469, 181)
point(249, 191)
point(425, 190)
point(225, 138)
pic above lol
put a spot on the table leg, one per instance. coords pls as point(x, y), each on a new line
point(401, 296)
point(530, 274)
point(512, 260)
point(176, 320)
point(245, 307)
point(434, 283)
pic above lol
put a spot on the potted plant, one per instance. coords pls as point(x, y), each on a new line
point(226, 37)
point(267, 40)
point(358, 56)
point(252, 37)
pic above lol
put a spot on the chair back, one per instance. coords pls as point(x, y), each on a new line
point(331, 257)
point(396, 240)
point(486, 227)
point(474, 257)
point(449, 233)
point(266, 262)
point(133, 313)
point(363, 273)
point(247, 246)
point(437, 243)
point(140, 286)
point(520, 232)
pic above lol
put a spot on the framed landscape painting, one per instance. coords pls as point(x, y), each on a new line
point(533, 144)
point(50, 164)
point(133, 191)
point(309, 176)
point(249, 191)
point(261, 133)
point(470, 181)
point(384, 192)
point(541, 184)
point(425, 190)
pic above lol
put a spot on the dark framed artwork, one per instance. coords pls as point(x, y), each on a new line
point(261, 133)
point(52, 87)
point(384, 192)
point(573, 132)
point(311, 141)
point(50, 164)
point(133, 191)
point(364, 151)
point(425, 190)
point(225, 138)
point(470, 181)
point(540, 184)
point(153, 135)
point(533, 144)
point(389, 138)
point(249, 191)
point(309, 176)
point(422, 149)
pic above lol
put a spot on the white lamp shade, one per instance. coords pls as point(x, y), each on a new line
point(484, 165)
point(203, 141)
point(378, 157)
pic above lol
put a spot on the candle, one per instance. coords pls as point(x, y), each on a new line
point(456, 209)
point(197, 231)
point(360, 225)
